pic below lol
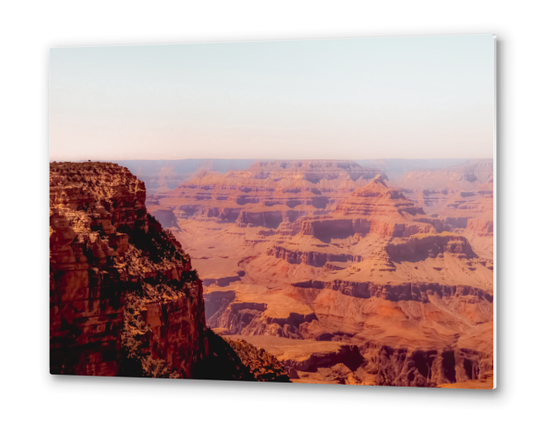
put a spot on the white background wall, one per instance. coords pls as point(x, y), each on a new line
point(29, 29)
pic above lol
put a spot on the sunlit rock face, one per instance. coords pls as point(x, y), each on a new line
point(124, 298)
point(325, 262)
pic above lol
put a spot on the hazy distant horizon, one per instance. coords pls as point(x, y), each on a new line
point(369, 98)
point(51, 159)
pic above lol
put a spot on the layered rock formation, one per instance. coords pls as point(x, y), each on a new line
point(373, 208)
point(267, 193)
point(343, 275)
point(124, 299)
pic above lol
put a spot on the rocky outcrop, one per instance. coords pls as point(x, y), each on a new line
point(387, 366)
point(251, 319)
point(316, 259)
point(326, 229)
point(238, 360)
point(124, 299)
point(222, 281)
point(374, 208)
point(262, 365)
point(378, 198)
point(349, 355)
point(119, 283)
point(423, 246)
point(331, 227)
point(417, 292)
point(270, 219)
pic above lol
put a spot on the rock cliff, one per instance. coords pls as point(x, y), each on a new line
point(124, 299)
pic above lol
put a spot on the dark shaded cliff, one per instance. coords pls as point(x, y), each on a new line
point(124, 299)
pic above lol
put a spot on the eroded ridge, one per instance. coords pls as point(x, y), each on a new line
point(369, 273)
point(125, 299)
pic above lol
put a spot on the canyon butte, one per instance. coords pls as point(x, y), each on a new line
point(338, 272)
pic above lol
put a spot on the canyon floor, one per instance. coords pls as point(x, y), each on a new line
point(369, 273)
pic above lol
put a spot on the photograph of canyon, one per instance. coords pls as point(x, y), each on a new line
point(316, 211)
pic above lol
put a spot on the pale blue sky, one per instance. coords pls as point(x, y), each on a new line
point(397, 97)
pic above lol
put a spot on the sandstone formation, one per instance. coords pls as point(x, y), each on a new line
point(124, 298)
point(266, 194)
point(343, 275)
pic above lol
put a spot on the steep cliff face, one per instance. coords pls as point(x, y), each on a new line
point(316, 259)
point(124, 299)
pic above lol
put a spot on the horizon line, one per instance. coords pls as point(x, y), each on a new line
point(271, 159)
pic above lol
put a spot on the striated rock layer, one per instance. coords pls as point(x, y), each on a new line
point(343, 275)
point(124, 299)
point(266, 194)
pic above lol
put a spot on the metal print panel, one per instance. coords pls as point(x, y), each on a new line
point(298, 211)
